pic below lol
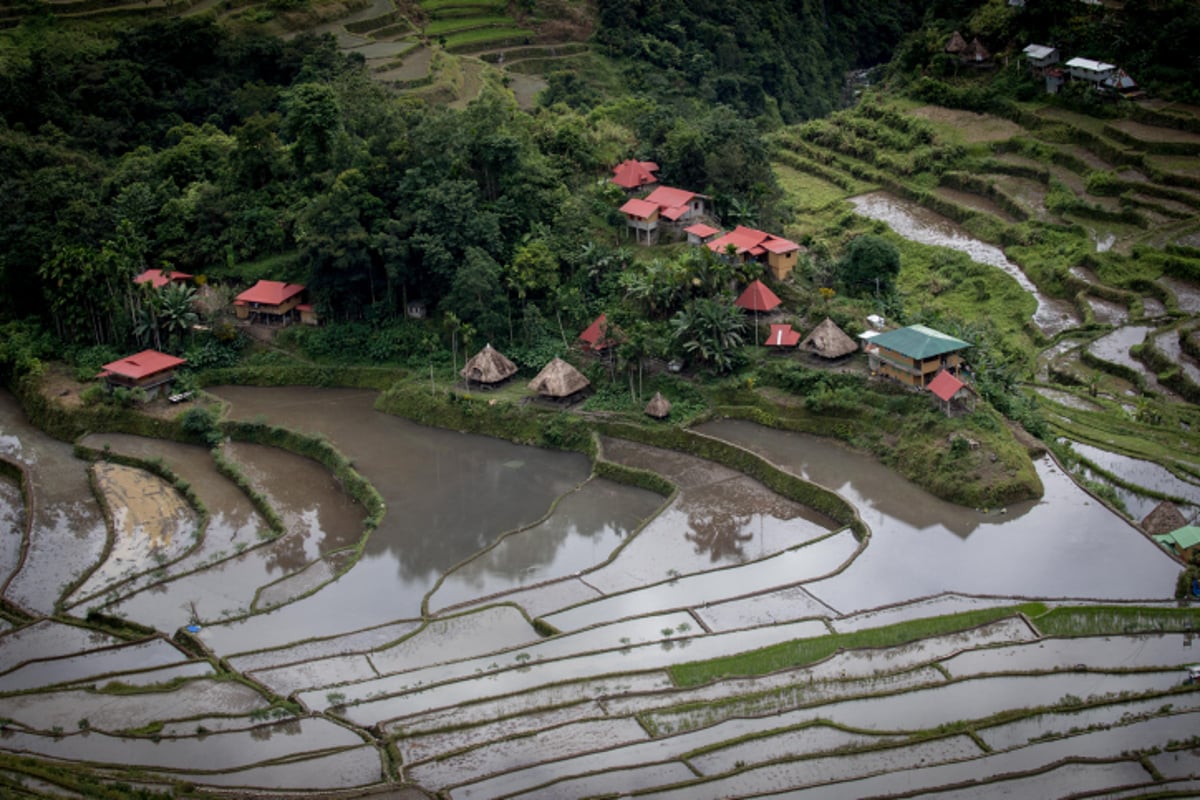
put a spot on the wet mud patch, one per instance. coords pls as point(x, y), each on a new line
point(233, 522)
point(152, 525)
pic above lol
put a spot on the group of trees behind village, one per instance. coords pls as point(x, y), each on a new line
point(236, 156)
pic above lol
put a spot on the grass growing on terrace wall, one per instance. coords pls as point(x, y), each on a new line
point(800, 652)
point(1101, 620)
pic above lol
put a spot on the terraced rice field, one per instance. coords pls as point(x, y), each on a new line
point(722, 641)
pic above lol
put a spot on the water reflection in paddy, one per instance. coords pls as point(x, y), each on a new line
point(12, 526)
point(68, 533)
point(582, 532)
point(1065, 545)
point(1139, 472)
point(448, 496)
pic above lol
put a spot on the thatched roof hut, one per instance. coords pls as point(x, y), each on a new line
point(488, 366)
point(829, 341)
point(658, 407)
point(559, 380)
point(1165, 517)
point(956, 44)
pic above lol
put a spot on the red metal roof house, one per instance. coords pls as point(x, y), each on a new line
point(632, 175)
point(158, 278)
point(599, 336)
point(271, 301)
point(147, 370)
point(751, 244)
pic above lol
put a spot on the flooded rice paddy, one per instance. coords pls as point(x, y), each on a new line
point(417, 660)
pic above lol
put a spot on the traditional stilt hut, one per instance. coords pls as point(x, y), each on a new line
point(947, 388)
point(489, 367)
point(1165, 517)
point(658, 407)
point(829, 341)
point(558, 380)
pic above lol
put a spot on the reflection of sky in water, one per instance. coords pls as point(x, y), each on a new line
point(1065, 545)
point(1140, 472)
point(10, 444)
point(587, 526)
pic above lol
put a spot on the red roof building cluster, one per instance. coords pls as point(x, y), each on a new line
point(631, 175)
point(673, 204)
point(752, 243)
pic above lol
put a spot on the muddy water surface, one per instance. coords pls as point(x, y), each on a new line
point(582, 533)
point(1142, 473)
point(919, 224)
point(921, 545)
point(448, 497)
point(12, 526)
point(68, 530)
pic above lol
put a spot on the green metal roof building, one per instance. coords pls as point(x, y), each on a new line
point(1180, 541)
point(914, 355)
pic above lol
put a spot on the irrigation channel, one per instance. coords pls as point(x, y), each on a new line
point(414, 667)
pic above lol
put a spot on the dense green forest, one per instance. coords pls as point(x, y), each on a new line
point(233, 156)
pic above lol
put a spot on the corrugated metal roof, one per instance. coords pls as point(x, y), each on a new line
point(919, 342)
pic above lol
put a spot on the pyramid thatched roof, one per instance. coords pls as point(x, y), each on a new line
point(975, 51)
point(1165, 518)
point(829, 341)
point(658, 407)
point(956, 44)
point(488, 366)
point(558, 379)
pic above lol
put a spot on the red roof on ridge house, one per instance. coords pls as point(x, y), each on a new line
point(782, 336)
point(641, 209)
point(757, 297)
point(672, 202)
point(269, 293)
point(752, 241)
point(599, 334)
point(158, 279)
point(945, 386)
point(701, 230)
point(632, 174)
point(141, 365)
